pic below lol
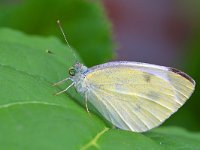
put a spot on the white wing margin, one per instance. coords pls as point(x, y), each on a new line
point(137, 96)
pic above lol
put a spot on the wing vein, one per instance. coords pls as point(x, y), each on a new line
point(126, 123)
point(103, 104)
point(174, 81)
point(136, 114)
point(97, 86)
point(106, 93)
point(134, 94)
point(137, 126)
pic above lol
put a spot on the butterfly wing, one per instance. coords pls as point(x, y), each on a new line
point(137, 96)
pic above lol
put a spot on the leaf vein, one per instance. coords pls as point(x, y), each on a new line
point(30, 102)
point(93, 142)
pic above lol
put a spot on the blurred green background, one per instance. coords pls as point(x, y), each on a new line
point(159, 32)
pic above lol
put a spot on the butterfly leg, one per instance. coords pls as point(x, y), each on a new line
point(55, 84)
point(86, 100)
point(65, 89)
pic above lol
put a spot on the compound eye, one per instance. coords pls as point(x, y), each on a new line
point(72, 72)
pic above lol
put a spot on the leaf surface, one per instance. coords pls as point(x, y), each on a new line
point(31, 117)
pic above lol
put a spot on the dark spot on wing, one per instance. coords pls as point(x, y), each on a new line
point(147, 78)
point(182, 74)
point(137, 107)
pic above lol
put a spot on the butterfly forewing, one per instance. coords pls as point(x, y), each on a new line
point(137, 96)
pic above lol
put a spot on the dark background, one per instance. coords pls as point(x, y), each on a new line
point(152, 31)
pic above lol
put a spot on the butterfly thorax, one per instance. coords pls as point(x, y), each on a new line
point(77, 74)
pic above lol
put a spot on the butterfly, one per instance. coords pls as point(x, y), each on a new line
point(131, 95)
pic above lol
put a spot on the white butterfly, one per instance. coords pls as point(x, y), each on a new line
point(132, 96)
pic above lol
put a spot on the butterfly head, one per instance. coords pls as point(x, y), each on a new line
point(77, 69)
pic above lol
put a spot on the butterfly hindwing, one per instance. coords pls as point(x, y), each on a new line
point(137, 96)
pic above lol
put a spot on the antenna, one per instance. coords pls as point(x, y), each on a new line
point(65, 38)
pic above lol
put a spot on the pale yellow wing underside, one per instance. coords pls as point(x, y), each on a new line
point(137, 97)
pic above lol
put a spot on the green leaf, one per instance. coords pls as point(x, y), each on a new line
point(174, 138)
point(87, 28)
point(31, 117)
